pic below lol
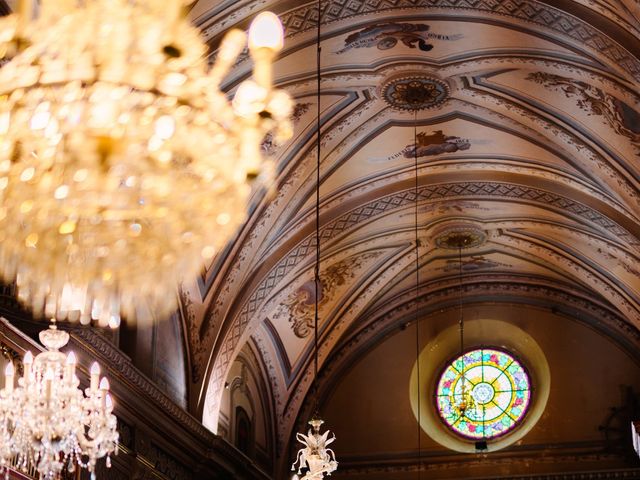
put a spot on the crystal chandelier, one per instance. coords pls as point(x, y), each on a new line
point(315, 460)
point(123, 166)
point(47, 422)
point(315, 456)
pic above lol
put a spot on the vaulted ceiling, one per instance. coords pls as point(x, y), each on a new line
point(524, 117)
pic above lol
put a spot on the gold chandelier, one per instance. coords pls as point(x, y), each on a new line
point(123, 166)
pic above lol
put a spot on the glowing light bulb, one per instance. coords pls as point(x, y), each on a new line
point(95, 376)
point(70, 369)
point(114, 321)
point(71, 358)
point(266, 32)
point(28, 358)
point(249, 98)
point(104, 384)
point(9, 373)
point(165, 127)
point(232, 45)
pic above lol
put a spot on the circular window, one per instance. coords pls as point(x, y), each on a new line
point(483, 394)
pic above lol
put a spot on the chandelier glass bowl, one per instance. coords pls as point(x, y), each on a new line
point(122, 163)
point(47, 422)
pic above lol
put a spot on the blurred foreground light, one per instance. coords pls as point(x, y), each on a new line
point(119, 153)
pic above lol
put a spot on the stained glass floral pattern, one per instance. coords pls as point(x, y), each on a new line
point(483, 394)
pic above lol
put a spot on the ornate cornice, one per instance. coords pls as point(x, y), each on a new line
point(439, 462)
point(121, 366)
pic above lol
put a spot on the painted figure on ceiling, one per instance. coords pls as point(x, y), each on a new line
point(435, 143)
point(387, 35)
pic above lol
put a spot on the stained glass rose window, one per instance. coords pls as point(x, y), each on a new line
point(483, 394)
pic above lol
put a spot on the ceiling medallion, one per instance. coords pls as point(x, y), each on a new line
point(415, 93)
point(460, 236)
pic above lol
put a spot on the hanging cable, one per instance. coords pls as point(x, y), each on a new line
point(461, 319)
point(465, 400)
point(317, 266)
point(417, 267)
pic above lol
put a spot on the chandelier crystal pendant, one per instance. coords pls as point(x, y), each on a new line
point(123, 166)
point(47, 422)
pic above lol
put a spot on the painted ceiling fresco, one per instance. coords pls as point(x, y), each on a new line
point(525, 120)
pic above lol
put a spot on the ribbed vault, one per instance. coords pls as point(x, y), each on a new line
point(528, 133)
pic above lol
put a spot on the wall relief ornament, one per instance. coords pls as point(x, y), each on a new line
point(387, 35)
point(619, 115)
point(299, 307)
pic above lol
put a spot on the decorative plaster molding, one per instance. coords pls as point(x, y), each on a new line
point(381, 206)
point(298, 307)
point(304, 18)
point(415, 92)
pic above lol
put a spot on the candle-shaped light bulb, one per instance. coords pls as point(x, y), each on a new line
point(108, 402)
point(104, 388)
point(9, 373)
point(114, 321)
point(71, 366)
point(48, 381)
point(95, 376)
point(266, 32)
point(104, 384)
point(266, 38)
point(27, 361)
point(231, 46)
